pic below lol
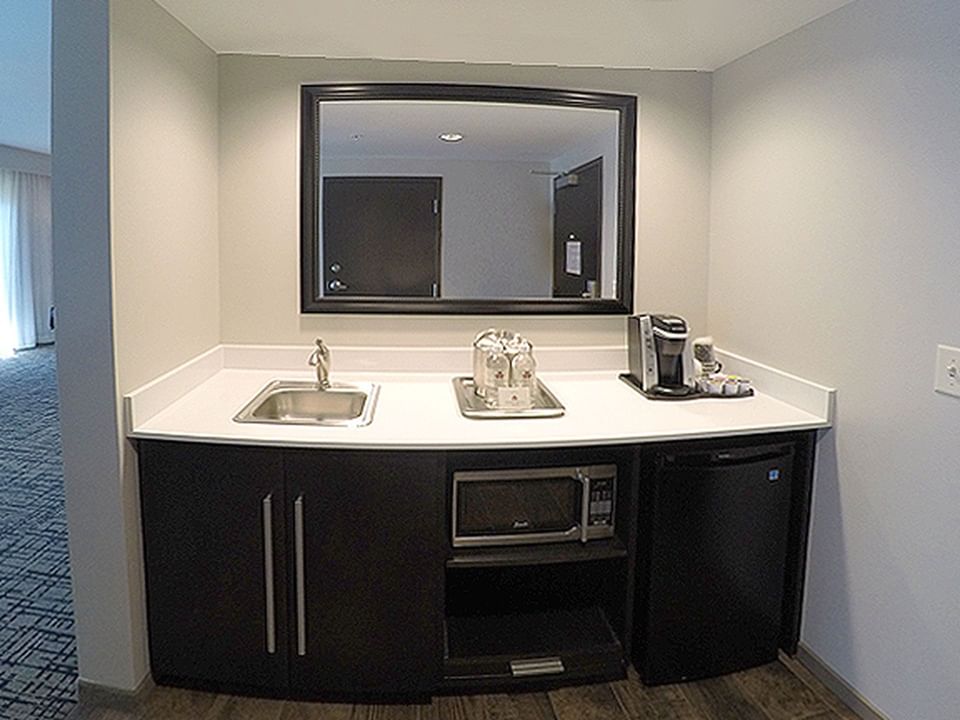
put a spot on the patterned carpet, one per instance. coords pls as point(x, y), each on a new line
point(38, 667)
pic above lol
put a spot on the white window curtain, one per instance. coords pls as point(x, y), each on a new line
point(26, 261)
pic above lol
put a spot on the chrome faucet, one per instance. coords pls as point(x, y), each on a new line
point(320, 359)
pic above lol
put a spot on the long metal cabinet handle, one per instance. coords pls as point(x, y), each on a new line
point(270, 611)
point(301, 590)
point(584, 505)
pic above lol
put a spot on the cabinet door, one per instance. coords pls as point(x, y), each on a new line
point(366, 530)
point(213, 530)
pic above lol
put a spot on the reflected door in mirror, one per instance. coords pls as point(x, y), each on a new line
point(381, 236)
point(577, 224)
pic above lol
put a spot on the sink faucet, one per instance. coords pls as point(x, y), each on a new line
point(320, 359)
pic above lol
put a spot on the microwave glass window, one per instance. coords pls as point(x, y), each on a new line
point(517, 508)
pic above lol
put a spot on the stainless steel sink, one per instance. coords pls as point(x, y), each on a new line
point(288, 402)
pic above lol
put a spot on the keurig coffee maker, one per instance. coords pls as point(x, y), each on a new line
point(661, 363)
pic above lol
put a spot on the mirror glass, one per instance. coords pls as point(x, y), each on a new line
point(445, 204)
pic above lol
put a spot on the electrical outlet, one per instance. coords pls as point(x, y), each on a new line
point(948, 370)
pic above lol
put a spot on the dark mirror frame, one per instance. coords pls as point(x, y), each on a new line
point(311, 280)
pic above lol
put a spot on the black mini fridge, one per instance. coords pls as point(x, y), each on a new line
point(714, 528)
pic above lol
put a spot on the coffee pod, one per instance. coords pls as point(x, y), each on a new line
point(731, 385)
point(713, 384)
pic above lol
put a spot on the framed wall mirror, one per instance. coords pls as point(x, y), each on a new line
point(472, 199)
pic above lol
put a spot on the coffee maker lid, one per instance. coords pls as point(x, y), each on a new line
point(673, 324)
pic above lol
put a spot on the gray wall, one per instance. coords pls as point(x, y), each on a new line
point(106, 584)
point(836, 255)
point(259, 220)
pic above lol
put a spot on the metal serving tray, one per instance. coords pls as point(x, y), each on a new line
point(545, 404)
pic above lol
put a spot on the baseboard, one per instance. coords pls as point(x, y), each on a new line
point(838, 686)
point(91, 694)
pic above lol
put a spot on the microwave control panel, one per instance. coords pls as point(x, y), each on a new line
point(601, 501)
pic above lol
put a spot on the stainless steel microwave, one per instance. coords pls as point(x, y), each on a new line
point(533, 505)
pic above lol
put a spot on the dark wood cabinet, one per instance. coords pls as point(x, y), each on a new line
point(304, 572)
point(367, 613)
point(330, 574)
point(210, 516)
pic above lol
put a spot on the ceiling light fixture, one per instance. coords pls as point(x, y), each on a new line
point(450, 137)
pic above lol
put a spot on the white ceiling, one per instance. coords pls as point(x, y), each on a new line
point(665, 34)
point(492, 131)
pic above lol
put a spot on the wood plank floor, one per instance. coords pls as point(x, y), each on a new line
point(779, 691)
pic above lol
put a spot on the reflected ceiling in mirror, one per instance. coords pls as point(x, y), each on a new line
point(466, 199)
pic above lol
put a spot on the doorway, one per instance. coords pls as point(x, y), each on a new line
point(38, 666)
point(381, 236)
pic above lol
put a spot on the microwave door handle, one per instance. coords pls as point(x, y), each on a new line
point(584, 505)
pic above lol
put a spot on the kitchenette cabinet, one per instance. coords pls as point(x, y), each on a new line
point(333, 573)
point(214, 553)
point(367, 537)
point(301, 572)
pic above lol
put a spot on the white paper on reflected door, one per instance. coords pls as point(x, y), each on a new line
point(574, 257)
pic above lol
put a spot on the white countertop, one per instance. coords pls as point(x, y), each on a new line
point(419, 410)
